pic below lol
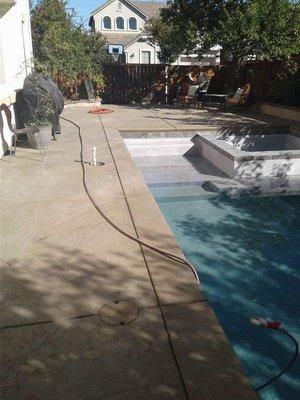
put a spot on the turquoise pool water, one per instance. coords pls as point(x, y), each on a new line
point(247, 253)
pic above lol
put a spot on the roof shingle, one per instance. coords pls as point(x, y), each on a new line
point(149, 8)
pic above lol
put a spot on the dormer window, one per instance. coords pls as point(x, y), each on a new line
point(106, 23)
point(120, 23)
point(132, 24)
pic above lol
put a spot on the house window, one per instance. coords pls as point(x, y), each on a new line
point(120, 23)
point(132, 24)
point(145, 57)
point(106, 23)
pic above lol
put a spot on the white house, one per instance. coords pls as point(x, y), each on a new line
point(15, 56)
point(122, 23)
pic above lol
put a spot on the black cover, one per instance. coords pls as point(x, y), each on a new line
point(33, 88)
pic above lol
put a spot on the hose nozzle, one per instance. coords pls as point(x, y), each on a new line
point(267, 323)
point(259, 322)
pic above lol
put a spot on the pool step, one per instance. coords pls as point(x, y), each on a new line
point(167, 176)
point(180, 193)
point(161, 161)
point(158, 147)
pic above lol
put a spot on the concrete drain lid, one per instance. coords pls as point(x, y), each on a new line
point(119, 312)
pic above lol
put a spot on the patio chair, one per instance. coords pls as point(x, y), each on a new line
point(187, 94)
point(202, 90)
point(240, 97)
point(22, 131)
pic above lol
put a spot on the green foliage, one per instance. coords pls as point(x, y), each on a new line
point(286, 89)
point(264, 29)
point(278, 28)
point(184, 26)
point(164, 34)
point(63, 50)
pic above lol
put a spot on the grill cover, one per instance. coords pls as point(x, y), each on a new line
point(37, 87)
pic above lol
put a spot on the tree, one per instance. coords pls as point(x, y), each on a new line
point(63, 50)
point(163, 34)
point(278, 26)
point(184, 26)
point(265, 29)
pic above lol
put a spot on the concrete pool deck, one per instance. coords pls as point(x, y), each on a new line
point(61, 263)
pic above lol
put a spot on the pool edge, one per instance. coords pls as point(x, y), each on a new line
point(185, 305)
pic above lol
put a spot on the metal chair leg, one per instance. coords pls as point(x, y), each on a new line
point(15, 144)
point(10, 147)
point(40, 142)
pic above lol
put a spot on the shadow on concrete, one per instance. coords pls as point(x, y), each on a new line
point(245, 122)
point(58, 348)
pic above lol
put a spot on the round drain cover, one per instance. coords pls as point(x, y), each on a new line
point(119, 312)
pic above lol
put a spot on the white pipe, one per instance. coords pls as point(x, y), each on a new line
point(94, 163)
point(166, 84)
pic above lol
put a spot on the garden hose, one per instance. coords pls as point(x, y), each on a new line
point(278, 327)
point(173, 257)
point(257, 321)
point(114, 225)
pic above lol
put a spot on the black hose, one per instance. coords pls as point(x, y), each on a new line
point(174, 258)
point(141, 243)
point(171, 256)
point(287, 367)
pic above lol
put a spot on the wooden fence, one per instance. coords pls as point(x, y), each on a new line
point(133, 83)
point(146, 83)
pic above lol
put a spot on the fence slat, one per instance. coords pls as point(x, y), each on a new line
point(145, 83)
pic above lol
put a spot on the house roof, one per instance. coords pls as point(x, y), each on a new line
point(110, 1)
point(120, 38)
point(149, 8)
point(146, 8)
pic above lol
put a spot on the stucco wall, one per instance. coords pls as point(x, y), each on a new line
point(16, 46)
point(133, 53)
point(113, 12)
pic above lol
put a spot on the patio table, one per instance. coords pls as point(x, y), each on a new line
point(217, 98)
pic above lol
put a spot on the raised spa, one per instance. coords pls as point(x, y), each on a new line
point(270, 142)
point(251, 156)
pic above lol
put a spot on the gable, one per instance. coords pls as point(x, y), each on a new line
point(112, 10)
point(111, 5)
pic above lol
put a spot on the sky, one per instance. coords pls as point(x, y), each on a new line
point(84, 7)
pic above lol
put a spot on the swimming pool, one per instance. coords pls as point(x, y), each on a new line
point(247, 253)
point(246, 250)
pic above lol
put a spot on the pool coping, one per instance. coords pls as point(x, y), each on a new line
point(256, 128)
point(210, 343)
point(235, 154)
